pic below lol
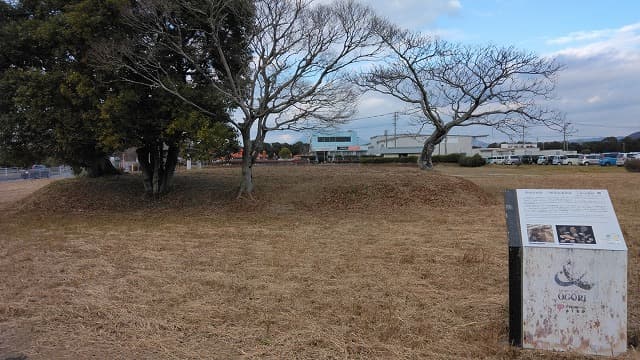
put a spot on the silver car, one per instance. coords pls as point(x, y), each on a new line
point(591, 159)
point(512, 160)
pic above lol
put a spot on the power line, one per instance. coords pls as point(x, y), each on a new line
point(403, 112)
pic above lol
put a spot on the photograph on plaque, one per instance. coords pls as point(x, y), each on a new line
point(540, 233)
point(575, 234)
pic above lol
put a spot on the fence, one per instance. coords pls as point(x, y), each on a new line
point(15, 173)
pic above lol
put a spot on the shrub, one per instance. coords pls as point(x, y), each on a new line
point(284, 153)
point(632, 165)
point(449, 158)
point(472, 161)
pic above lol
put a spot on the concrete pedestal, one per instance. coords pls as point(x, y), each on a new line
point(567, 272)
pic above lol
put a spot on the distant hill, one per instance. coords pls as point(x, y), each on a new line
point(634, 136)
point(584, 140)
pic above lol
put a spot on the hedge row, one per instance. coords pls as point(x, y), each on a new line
point(388, 160)
point(449, 158)
point(472, 161)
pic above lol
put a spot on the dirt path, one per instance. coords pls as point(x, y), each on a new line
point(13, 191)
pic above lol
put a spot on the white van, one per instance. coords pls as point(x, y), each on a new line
point(557, 159)
point(571, 159)
point(512, 160)
point(542, 160)
point(497, 159)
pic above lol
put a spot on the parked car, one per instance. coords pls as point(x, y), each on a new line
point(633, 155)
point(608, 159)
point(622, 157)
point(557, 159)
point(591, 159)
point(571, 159)
point(36, 172)
point(542, 160)
point(497, 159)
point(529, 159)
point(512, 160)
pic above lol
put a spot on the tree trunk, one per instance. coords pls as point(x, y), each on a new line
point(144, 158)
point(425, 162)
point(246, 186)
point(158, 166)
point(101, 166)
point(169, 168)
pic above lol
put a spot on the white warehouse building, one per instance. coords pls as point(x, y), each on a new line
point(401, 145)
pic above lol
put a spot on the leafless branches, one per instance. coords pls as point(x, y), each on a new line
point(296, 59)
point(457, 85)
point(291, 77)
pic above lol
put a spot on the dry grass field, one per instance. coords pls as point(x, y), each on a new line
point(353, 262)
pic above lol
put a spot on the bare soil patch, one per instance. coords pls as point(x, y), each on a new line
point(329, 262)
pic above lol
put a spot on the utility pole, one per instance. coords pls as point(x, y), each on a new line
point(395, 129)
point(565, 127)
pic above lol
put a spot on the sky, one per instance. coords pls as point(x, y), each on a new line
point(598, 43)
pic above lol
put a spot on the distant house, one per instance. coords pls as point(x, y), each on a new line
point(126, 161)
point(331, 146)
point(402, 145)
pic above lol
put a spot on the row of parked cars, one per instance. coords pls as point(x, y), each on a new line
point(605, 159)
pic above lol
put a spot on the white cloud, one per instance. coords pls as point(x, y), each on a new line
point(284, 137)
point(594, 99)
point(621, 42)
point(414, 14)
point(599, 90)
point(580, 36)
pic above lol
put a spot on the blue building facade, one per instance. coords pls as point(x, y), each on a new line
point(331, 146)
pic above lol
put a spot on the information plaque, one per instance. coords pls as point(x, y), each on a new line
point(567, 271)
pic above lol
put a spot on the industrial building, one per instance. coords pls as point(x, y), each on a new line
point(401, 145)
point(332, 146)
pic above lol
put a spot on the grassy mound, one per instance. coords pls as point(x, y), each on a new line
point(410, 190)
point(279, 189)
point(126, 194)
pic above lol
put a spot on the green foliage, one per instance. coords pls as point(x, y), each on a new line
point(608, 144)
point(449, 158)
point(472, 161)
point(284, 153)
point(388, 160)
point(50, 91)
point(212, 141)
point(632, 165)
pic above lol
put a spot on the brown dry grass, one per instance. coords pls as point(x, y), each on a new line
point(330, 262)
point(13, 191)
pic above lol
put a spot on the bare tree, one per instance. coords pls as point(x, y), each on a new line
point(293, 76)
point(455, 85)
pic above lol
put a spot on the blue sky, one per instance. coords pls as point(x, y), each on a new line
point(597, 41)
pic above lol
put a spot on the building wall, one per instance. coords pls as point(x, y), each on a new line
point(411, 144)
point(328, 146)
point(335, 141)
